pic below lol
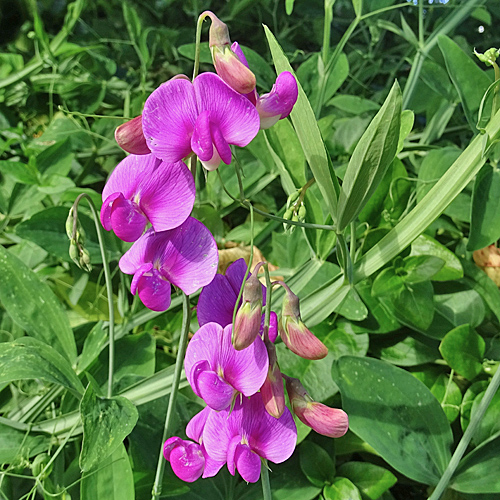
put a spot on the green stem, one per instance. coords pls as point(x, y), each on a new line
point(495, 105)
point(352, 243)
point(107, 279)
point(269, 291)
point(264, 477)
point(179, 363)
point(469, 432)
point(199, 25)
point(327, 30)
point(421, 22)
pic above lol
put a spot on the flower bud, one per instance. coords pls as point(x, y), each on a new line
point(273, 395)
point(249, 315)
point(488, 259)
point(84, 262)
point(331, 422)
point(489, 57)
point(130, 137)
point(227, 64)
point(294, 333)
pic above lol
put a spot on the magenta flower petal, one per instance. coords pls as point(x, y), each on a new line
point(194, 428)
point(278, 103)
point(235, 47)
point(145, 268)
point(212, 388)
point(201, 141)
point(106, 210)
point(221, 145)
point(231, 112)
point(235, 274)
point(168, 119)
point(154, 291)
point(248, 463)
point(216, 302)
point(127, 220)
point(187, 461)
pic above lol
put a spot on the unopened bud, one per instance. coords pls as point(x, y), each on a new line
point(489, 57)
point(302, 212)
point(488, 259)
point(273, 395)
point(294, 333)
point(84, 262)
point(130, 137)
point(38, 465)
point(331, 422)
point(249, 315)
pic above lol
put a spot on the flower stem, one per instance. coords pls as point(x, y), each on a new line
point(269, 291)
point(264, 477)
point(186, 319)
point(469, 432)
point(199, 24)
point(107, 279)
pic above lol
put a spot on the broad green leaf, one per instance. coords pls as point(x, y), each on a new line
point(395, 414)
point(289, 7)
point(436, 77)
point(468, 400)
point(408, 351)
point(449, 395)
point(407, 121)
point(370, 160)
point(469, 80)
point(426, 245)
point(56, 159)
point(316, 464)
point(352, 307)
point(341, 489)
point(489, 425)
point(461, 307)
point(353, 104)
point(371, 480)
point(33, 306)
point(345, 339)
point(112, 481)
point(94, 343)
point(463, 349)
point(47, 230)
point(485, 216)
point(387, 283)
point(24, 173)
point(106, 423)
point(477, 472)
point(17, 446)
point(306, 127)
point(421, 268)
point(29, 358)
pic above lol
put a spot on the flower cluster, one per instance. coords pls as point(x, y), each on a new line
point(150, 194)
point(235, 371)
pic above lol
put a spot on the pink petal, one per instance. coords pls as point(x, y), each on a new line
point(141, 252)
point(187, 461)
point(167, 195)
point(216, 302)
point(194, 428)
point(278, 103)
point(145, 268)
point(127, 220)
point(212, 388)
point(201, 141)
point(231, 112)
point(106, 210)
point(130, 137)
point(248, 463)
point(154, 291)
point(126, 175)
point(221, 145)
point(170, 444)
point(168, 119)
point(235, 274)
point(235, 47)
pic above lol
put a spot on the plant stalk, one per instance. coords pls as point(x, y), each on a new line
point(264, 477)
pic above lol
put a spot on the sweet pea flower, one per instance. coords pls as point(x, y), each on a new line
point(203, 117)
point(217, 372)
point(130, 137)
point(186, 257)
point(247, 433)
point(276, 104)
point(143, 189)
point(217, 300)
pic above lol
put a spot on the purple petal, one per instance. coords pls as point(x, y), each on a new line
point(235, 274)
point(216, 302)
point(248, 463)
point(167, 195)
point(231, 112)
point(235, 47)
point(221, 145)
point(127, 220)
point(170, 444)
point(201, 142)
point(126, 175)
point(168, 119)
point(273, 326)
point(216, 393)
point(194, 428)
point(211, 466)
point(189, 256)
point(138, 254)
point(187, 461)
point(106, 210)
point(154, 291)
point(278, 103)
point(145, 268)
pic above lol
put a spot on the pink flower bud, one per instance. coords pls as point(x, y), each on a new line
point(294, 333)
point(331, 422)
point(488, 259)
point(130, 137)
point(249, 315)
point(273, 395)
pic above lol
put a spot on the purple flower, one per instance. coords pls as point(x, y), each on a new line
point(245, 434)
point(144, 189)
point(278, 103)
point(186, 256)
point(203, 117)
point(217, 300)
point(217, 372)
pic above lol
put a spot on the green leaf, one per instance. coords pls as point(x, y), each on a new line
point(421, 268)
point(387, 283)
point(489, 425)
point(409, 351)
point(106, 423)
point(47, 230)
point(469, 80)
point(17, 445)
point(485, 216)
point(353, 104)
point(395, 414)
point(469, 397)
point(56, 159)
point(112, 481)
point(306, 127)
point(316, 464)
point(24, 173)
point(29, 358)
point(407, 121)
point(372, 480)
point(463, 349)
point(370, 160)
point(461, 307)
point(353, 307)
point(341, 489)
point(449, 395)
point(477, 472)
point(358, 7)
point(94, 343)
point(289, 7)
point(33, 306)
point(345, 339)
point(426, 245)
